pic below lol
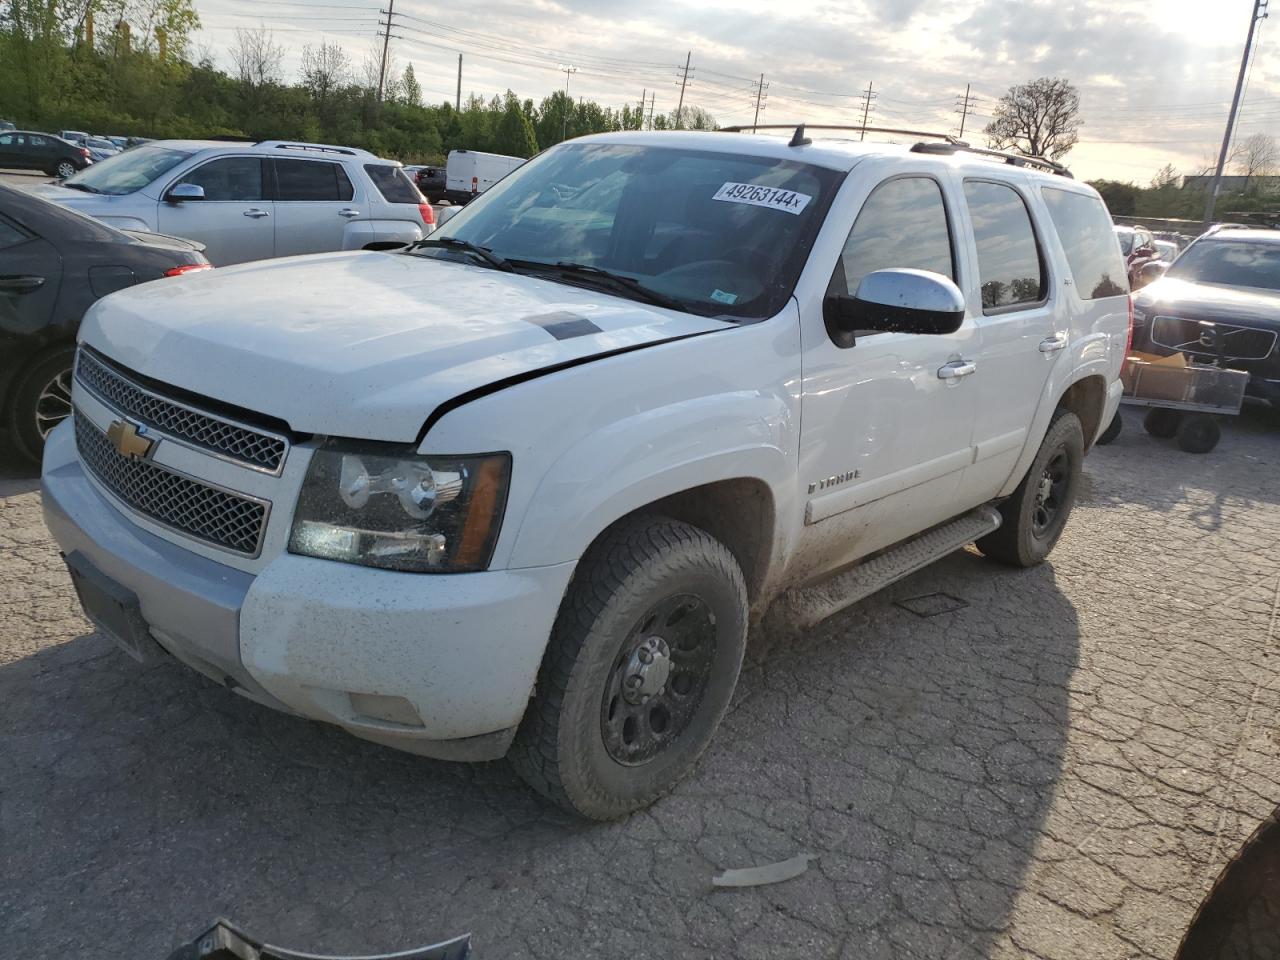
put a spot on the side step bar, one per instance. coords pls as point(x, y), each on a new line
point(806, 606)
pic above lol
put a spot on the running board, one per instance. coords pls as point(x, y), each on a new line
point(806, 606)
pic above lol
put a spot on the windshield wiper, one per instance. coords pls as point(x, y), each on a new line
point(629, 284)
point(454, 243)
point(80, 186)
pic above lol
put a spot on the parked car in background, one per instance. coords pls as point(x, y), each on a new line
point(470, 173)
point(120, 142)
point(252, 201)
point(7, 125)
point(1138, 247)
point(1166, 250)
point(523, 487)
point(99, 148)
point(54, 263)
point(138, 141)
point(431, 181)
point(1220, 300)
point(28, 150)
point(72, 136)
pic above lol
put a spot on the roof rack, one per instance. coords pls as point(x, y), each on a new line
point(317, 147)
point(947, 145)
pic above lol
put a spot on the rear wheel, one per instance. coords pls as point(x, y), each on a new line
point(1035, 515)
point(1198, 434)
point(641, 665)
point(40, 401)
point(64, 169)
point(1162, 423)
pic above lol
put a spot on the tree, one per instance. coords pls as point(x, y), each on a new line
point(324, 69)
point(1256, 156)
point(514, 134)
point(1120, 197)
point(410, 90)
point(1038, 119)
point(257, 57)
point(695, 118)
point(1166, 177)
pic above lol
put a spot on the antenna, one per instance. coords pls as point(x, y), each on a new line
point(798, 139)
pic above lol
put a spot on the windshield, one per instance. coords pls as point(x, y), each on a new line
point(127, 172)
point(722, 234)
point(1232, 263)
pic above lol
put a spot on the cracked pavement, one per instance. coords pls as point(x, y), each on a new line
point(1059, 769)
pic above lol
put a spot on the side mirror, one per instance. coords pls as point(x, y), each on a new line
point(1151, 272)
point(185, 191)
point(897, 301)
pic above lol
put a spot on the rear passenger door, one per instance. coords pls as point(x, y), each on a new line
point(234, 220)
point(1018, 340)
point(314, 200)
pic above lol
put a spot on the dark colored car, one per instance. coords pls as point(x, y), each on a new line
point(54, 263)
point(26, 150)
point(1219, 301)
point(1138, 247)
point(430, 182)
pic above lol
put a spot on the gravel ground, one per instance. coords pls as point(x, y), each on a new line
point(1058, 769)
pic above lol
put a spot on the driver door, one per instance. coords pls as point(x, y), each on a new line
point(234, 220)
point(887, 425)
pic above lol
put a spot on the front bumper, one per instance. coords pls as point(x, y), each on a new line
point(441, 665)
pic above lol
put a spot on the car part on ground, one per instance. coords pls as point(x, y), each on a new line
point(54, 263)
point(789, 390)
point(225, 941)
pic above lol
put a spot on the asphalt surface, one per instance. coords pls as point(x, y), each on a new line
point(1057, 769)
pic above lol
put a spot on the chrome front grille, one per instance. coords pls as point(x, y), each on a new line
point(1202, 339)
point(247, 446)
point(209, 513)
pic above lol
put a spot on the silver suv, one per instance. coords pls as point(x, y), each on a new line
point(251, 201)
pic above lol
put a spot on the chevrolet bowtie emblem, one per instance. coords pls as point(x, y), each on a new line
point(124, 436)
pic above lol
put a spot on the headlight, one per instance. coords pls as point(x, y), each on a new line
point(384, 506)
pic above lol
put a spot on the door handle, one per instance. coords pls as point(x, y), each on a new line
point(348, 212)
point(956, 369)
point(20, 284)
point(1053, 344)
point(256, 213)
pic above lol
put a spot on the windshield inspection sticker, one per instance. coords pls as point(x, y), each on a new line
point(719, 296)
point(786, 200)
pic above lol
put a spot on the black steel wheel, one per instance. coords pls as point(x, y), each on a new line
point(1036, 513)
point(1162, 423)
point(1199, 433)
point(640, 667)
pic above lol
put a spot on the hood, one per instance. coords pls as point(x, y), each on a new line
point(1246, 306)
point(363, 345)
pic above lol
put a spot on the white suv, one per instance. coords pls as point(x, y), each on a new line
point(521, 489)
point(251, 201)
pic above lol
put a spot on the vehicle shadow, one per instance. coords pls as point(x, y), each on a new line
point(1203, 480)
point(914, 756)
point(16, 475)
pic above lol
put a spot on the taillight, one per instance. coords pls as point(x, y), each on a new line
point(428, 215)
point(1128, 344)
point(187, 268)
point(84, 151)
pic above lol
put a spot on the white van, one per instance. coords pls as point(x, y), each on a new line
point(469, 172)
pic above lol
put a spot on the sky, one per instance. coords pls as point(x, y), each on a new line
point(1155, 78)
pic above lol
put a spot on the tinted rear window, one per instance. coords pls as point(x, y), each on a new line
point(392, 183)
point(1008, 256)
point(1092, 247)
point(312, 180)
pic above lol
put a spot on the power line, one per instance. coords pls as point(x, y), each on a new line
point(684, 82)
point(867, 99)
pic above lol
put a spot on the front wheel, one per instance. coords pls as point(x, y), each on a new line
point(642, 662)
point(1036, 514)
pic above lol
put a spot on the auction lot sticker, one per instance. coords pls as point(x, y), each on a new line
point(758, 196)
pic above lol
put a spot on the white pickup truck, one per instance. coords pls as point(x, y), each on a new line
point(521, 489)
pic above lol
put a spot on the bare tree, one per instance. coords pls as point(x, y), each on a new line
point(1166, 176)
point(257, 57)
point(1256, 156)
point(1038, 119)
point(324, 69)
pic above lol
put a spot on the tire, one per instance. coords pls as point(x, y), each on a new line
point(1198, 434)
point(64, 169)
point(41, 399)
point(647, 581)
point(1035, 515)
point(1162, 423)
point(1110, 434)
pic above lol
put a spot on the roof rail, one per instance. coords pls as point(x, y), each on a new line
point(1014, 159)
point(317, 147)
point(838, 126)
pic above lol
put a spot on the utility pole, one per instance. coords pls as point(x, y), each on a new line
point(684, 81)
point(866, 110)
point(386, 39)
point(644, 102)
point(965, 103)
point(457, 105)
point(760, 86)
point(567, 68)
point(1259, 13)
point(653, 98)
